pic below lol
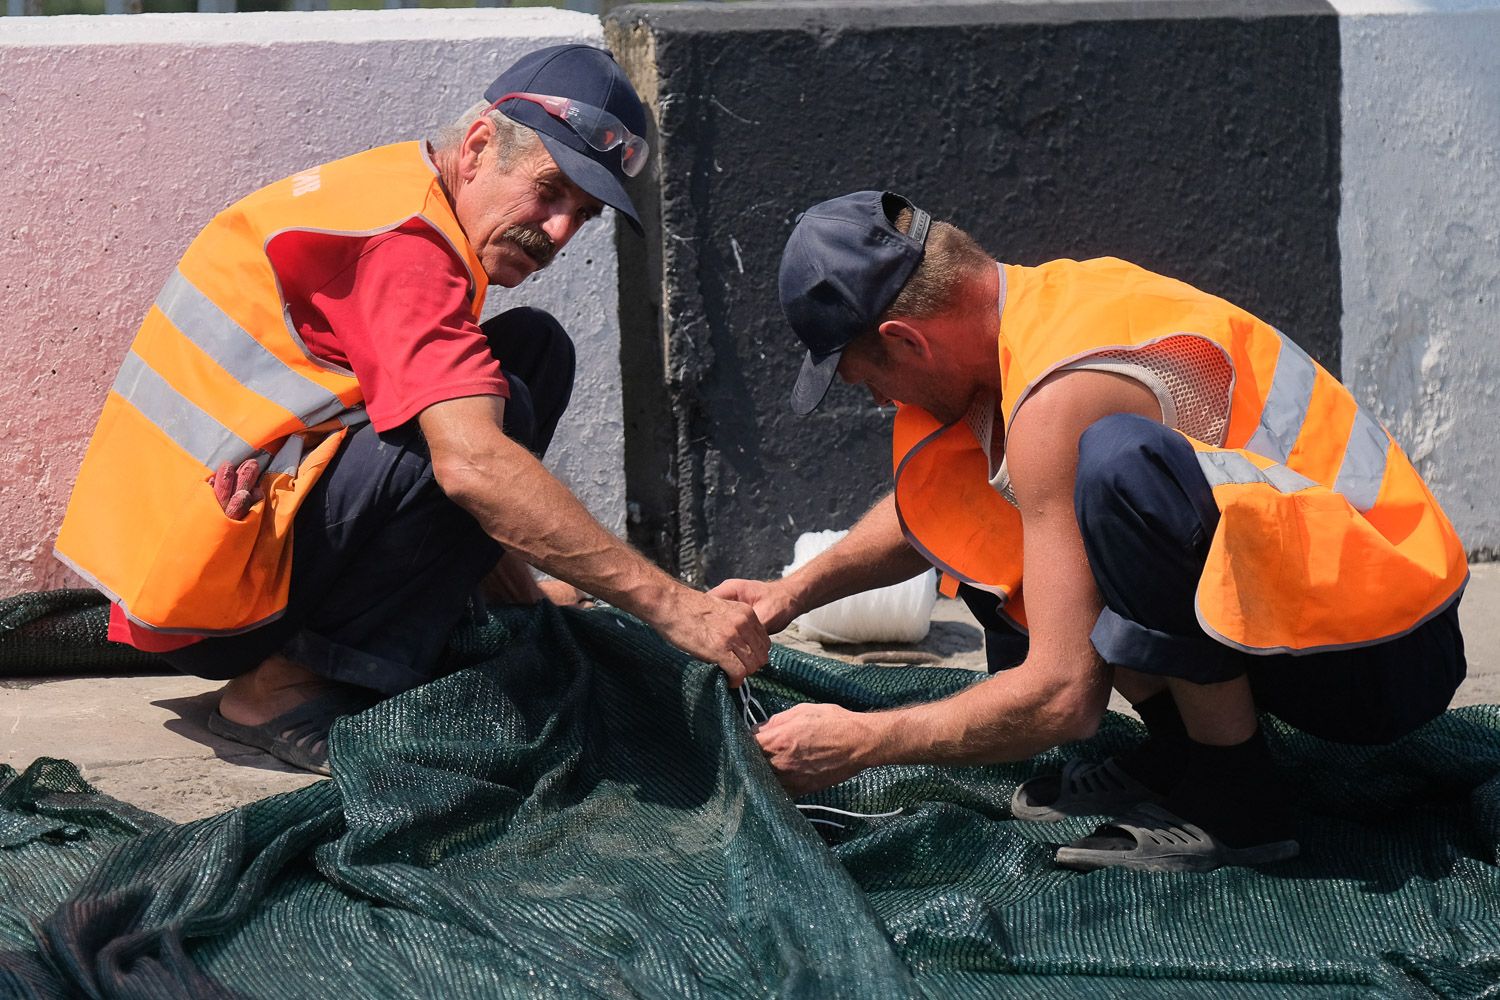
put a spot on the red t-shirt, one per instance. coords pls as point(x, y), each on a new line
point(392, 308)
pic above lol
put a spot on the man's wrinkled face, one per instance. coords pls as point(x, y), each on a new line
point(518, 217)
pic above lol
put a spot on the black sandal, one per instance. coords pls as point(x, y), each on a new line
point(298, 737)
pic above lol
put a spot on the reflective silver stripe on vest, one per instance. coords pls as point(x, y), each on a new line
point(246, 359)
point(1286, 406)
point(1363, 468)
point(1221, 468)
point(195, 431)
point(288, 459)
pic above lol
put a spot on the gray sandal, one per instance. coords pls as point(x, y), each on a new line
point(298, 737)
point(1165, 843)
point(1083, 789)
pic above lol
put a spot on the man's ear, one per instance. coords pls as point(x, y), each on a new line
point(902, 339)
point(479, 137)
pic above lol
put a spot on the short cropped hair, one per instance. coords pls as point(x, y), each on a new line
point(514, 139)
point(952, 258)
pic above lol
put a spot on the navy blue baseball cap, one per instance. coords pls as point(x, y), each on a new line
point(590, 76)
point(843, 266)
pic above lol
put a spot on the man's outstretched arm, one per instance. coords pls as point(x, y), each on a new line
point(1059, 693)
point(526, 509)
point(874, 554)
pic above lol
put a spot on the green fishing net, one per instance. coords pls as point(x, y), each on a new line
point(577, 810)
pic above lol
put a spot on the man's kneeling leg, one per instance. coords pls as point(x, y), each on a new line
point(384, 567)
point(1147, 516)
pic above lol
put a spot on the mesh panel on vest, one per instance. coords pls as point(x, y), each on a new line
point(980, 419)
point(1190, 375)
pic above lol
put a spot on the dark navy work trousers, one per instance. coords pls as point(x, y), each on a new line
point(1147, 515)
point(384, 564)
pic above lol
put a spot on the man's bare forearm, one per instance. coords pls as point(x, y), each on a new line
point(1010, 716)
point(528, 511)
point(520, 504)
point(525, 508)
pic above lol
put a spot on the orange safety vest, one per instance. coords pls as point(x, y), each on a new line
point(217, 373)
point(1327, 538)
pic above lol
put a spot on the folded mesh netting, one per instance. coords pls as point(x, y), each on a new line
point(579, 811)
point(60, 632)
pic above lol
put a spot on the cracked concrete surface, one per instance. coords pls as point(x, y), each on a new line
point(143, 740)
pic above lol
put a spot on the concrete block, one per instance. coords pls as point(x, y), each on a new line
point(1201, 140)
point(1421, 246)
point(125, 135)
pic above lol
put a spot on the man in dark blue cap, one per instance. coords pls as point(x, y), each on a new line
point(330, 449)
point(1203, 517)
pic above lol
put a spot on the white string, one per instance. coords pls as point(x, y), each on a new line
point(856, 815)
point(749, 707)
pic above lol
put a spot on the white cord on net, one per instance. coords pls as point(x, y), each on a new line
point(856, 815)
point(844, 812)
point(749, 707)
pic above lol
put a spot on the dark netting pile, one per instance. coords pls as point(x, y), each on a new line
point(578, 810)
point(62, 632)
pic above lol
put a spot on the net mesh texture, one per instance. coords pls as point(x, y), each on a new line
point(578, 810)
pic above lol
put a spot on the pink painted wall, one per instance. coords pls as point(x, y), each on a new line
point(124, 135)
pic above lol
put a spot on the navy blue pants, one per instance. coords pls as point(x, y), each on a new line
point(1147, 516)
point(384, 564)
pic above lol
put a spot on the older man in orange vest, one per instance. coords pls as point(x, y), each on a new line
point(1133, 484)
point(314, 452)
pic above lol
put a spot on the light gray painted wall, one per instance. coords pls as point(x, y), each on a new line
point(1419, 236)
point(124, 135)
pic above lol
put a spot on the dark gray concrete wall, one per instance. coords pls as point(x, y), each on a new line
point(1199, 140)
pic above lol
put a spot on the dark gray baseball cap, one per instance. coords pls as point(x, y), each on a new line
point(843, 266)
point(589, 75)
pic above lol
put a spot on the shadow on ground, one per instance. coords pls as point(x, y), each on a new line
point(192, 724)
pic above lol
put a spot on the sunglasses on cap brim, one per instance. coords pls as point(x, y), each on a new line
point(595, 126)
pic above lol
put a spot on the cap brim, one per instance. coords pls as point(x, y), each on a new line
point(813, 381)
point(593, 177)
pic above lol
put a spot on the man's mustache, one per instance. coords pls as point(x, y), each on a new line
point(537, 244)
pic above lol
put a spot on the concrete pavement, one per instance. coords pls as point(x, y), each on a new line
point(142, 739)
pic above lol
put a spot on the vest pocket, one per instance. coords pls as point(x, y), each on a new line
point(215, 574)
